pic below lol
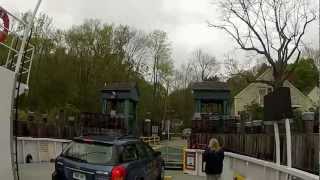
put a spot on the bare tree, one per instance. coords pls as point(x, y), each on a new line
point(271, 28)
point(136, 51)
point(122, 36)
point(313, 54)
point(204, 65)
point(160, 52)
point(232, 67)
point(183, 76)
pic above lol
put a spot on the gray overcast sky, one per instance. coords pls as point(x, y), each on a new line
point(183, 20)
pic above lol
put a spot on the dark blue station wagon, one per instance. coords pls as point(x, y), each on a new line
point(108, 158)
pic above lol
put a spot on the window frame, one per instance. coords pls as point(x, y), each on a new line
point(123, 150)
point(144, 149)
point(261, 95)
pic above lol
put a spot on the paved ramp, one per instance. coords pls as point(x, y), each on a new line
point(172, 152)
point(41, 171)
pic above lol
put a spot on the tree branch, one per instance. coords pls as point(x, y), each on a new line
point(267, 55)
point(295, 64)
point(270, 83)
point(300, 36)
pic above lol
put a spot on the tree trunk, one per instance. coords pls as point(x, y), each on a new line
point(202, 75)
point(278, 80)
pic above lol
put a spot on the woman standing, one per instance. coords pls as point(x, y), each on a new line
point(213, 158)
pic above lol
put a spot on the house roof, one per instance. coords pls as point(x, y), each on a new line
point(265, 74)
point(121, 90)
point(210, 85)
point(298, 91)
point(316, 88)
point(314, 95)
point(261, 77)
point(120, 86)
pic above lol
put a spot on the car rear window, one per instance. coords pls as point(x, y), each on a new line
point(90, 153)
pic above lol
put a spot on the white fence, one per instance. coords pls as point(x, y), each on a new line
point(40, 149)
point(247, 167)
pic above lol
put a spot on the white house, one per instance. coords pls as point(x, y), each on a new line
point(255, 92)
point(314, 95)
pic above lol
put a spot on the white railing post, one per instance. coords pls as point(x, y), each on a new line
point(289, 144)
point(23, 151)
point(9, 54)
point(25, 36)
point(277, 141)
point(288, 137)
point(30, 66)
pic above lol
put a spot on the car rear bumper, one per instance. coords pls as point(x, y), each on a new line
point(57, 176)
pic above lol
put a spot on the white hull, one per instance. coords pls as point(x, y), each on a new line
point(7, 89)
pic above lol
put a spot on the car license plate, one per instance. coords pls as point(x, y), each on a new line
point(78, 176)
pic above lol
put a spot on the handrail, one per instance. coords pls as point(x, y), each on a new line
point(151, 139)
point(43, 139)
point(281, 168)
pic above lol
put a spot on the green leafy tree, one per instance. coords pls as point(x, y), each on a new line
point(255, 111)
point(181, 101)
point(305, 75)
point(71, 66)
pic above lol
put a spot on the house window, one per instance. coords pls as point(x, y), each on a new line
point(212, 107)
point(262, 92)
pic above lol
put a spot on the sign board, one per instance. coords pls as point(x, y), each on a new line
point(190, 160)
point(277, 105)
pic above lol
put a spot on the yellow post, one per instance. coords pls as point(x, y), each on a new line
point(183, 158)
point(238, 177)
point(167, 177)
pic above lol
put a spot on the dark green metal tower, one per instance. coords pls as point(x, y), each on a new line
point(120, 99)
point(211, 97)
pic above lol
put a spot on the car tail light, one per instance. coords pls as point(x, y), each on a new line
point(118, 173)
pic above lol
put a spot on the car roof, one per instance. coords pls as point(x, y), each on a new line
point(108, 139)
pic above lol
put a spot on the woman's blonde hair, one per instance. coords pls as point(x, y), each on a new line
point(214, 144)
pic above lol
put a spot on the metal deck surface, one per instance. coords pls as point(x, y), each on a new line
point(43, 172)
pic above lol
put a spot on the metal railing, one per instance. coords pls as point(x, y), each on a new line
point(172, 156)
point(151, 140)
point(19, 51)
point(248, 165)
point(245, 166)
